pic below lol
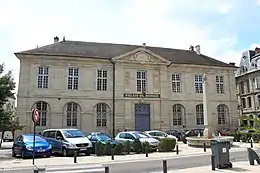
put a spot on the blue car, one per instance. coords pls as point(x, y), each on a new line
point(23, 146)
point(101, 137)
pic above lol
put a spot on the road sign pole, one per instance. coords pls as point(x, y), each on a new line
point(34, 129)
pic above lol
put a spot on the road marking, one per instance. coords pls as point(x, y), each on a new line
point(78, 171)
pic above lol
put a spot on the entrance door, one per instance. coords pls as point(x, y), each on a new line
point(142, 117)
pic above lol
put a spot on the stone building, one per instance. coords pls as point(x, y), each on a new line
point(110, 87)
point(248, 86)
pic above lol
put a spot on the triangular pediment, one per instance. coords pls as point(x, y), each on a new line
point(141, 55)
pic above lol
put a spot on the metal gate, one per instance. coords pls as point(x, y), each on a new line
point(142, 117)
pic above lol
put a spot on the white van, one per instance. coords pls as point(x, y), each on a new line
point(66, 141)
point(8, 136)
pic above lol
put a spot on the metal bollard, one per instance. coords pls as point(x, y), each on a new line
point(106, 169)
point(213, 166)
point(35, 171)
point(146, 151)
point(112, 154)
point(177, 149)
point(251, 143)
point(204, 147)
point(164, 166)
point(75, 156)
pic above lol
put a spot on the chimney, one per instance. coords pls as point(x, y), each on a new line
point(56, 39)
point(144, 45)
point(257, 50)
point(232, 63)
point(191, 48)
point(197, 49)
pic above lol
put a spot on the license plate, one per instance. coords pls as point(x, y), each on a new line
point(82, 149)
point(40, 150)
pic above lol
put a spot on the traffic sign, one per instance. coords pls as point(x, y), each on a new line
point(35, 115)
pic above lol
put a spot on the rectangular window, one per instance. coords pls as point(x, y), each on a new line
point(73, 78)
point(242, 87)
point(248, 86)
point(43, 77)
point(101, 80)
point(141, 81)
point(220, 84)
point(249, 102)
point(176, 83)
point(198, 84)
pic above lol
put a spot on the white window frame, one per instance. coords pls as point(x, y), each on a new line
point(198, 83)
point(43, 77)
point(220, 84)
point(200, 114)
point(72, 114)
point(176, 83)
point(141, 81)
point(101, 79)
point(101, 113)
point(74, 78)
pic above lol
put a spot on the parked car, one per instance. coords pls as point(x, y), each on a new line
point(159, 134)
point(175, 133)
point(8, 136)
point(227, 131)
point(23, 146)
point(132, 135)
point(66, 141)
point(191, 133)
point(104, 138)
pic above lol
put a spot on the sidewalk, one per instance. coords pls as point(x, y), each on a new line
point(237, 167)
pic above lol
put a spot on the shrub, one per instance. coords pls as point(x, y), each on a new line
point(256, 137)
point(167, 144)
point(137, 146)
point(145, 146)
point(108, 148)
point(99, 149)
point(119, 149)
point(127, 147)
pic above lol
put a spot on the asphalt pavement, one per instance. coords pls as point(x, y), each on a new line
point(172, 164)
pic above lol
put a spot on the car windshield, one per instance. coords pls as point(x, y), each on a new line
point(140, 135)
point(30, 139)
point(73, 133)
point(103, 137)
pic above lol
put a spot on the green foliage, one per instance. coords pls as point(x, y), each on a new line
point(99, 149)
point(127, 147)
point(119, 149)
point(167, 144)
point(137, 146)
point(108, 148)
point(146, 146)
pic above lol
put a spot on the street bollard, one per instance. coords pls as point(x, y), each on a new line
point(177, 149)
point(204, 147)
point(251, 143)
point(106, 169)
point(164, 166)
point(112, 154)
point(146, 151)
point(35, 171)
point(213, 166)
point(75, 156)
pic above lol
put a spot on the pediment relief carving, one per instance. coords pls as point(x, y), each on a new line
point(143, 57)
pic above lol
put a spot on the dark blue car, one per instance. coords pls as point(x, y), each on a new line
point(23, 146)
point(101, 137)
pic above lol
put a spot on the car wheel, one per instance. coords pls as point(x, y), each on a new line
point(64, 152)
point(13, 153)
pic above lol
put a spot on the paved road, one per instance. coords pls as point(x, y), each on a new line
point(175, 163)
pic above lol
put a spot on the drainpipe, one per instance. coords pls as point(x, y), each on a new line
point(113, 100)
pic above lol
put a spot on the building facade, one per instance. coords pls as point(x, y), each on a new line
point(248, 87)
point(111, 87)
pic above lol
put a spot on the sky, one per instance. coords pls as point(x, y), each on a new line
point(223, 28)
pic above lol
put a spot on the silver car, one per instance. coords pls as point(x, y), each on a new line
point(159, 134)
point(132, 135)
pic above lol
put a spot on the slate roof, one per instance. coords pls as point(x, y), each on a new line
point(110, 50)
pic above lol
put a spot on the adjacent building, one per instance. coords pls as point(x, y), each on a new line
point(110, 87)
point(248, 86)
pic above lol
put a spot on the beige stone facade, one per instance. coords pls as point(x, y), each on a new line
point(159, 81)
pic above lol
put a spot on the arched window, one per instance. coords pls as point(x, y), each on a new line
point(43, 112)
point(178, 111)
point(102, 111)
point(222, 113)
point(72, 114)
point(199, 114)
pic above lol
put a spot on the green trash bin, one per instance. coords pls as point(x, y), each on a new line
point(220, 150)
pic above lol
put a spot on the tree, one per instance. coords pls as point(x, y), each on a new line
point(7, 86)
